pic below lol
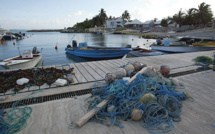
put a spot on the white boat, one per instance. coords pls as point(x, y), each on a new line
point(2, 33)
point(27, 60)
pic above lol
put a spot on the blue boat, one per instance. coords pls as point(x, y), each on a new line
point(90, 52)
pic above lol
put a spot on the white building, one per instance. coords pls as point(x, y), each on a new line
point(171, 24)
point(157, 23)
point(148, 24)
point(135, 24)
point(114, 23)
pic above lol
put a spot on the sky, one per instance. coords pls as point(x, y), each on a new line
point(58, 14)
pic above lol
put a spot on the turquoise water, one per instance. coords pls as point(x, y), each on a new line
point(48, 41)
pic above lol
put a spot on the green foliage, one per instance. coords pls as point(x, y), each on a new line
point(164, 22)
point(120, 29)
point(98, 20)
point(204, 59)
point(193, 16)
point(126, 16)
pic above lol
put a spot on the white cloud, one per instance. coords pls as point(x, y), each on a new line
point(79, 13)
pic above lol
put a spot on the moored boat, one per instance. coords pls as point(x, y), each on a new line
point(206, 43)
point(139, 52)
point(27, 60)
point(180, 48)
point(85, 51)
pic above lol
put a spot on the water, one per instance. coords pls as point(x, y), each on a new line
point(48, 40)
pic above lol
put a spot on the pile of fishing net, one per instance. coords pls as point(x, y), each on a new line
point(151, 99)
point(15, 119)
point(36, 76)
point(204, 59)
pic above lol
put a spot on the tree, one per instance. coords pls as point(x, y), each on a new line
point(204, 13)
point(126, 16)
point(155, 19)
point(164, 22)
point(179, 17)
point(102, 16)
point(190, 17)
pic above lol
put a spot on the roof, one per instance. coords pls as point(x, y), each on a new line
point(134, 22)
point(115, 18)
point(147, 22)
point(158, 22)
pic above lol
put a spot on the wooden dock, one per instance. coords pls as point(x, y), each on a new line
point(87, 73)
point(56, 116)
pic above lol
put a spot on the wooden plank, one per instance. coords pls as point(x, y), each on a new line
point(108, 65)
point(183, 69)
point(91, 71)
point(102, 67)
point(97, 69)
point(117, 64)
point(78, 74)
point(84, 72)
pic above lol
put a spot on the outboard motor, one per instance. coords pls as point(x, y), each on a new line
point(74, 44)
point(128, 46)
point(35, 51)
point(159, 42)
point(68, 46)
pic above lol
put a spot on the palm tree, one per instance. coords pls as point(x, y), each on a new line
point(179, 17)
point(204, 13)
point(102, 16)
point(126, 16)
point(190, 17)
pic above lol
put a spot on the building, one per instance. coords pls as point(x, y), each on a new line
point(135, 24)
point(171, 23)
point(148, 24)
point(114, 23)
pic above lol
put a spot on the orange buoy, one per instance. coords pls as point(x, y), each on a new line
point(2, 42)
point(14, 43)
point(136, 114)
point(56, 47)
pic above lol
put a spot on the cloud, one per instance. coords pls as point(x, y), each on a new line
point(79, 13)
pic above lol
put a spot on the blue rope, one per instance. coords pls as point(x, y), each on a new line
point(158, 115)
point(16, 118)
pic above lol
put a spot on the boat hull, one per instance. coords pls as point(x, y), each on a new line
point(209, 44)
point(1, 36)
point(139, 54)
point(99, 53)
point(24, 65)
point(180, 49)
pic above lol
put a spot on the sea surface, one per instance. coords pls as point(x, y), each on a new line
point(46, 42)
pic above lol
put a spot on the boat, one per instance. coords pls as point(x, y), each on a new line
point(9, 36)
point(27, 60)
point(139, 52)
point(206, 43)
point(90, 52)
point(180, 48)
point(2, 33)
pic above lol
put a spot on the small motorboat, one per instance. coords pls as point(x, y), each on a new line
point(180, 48)
point(139, 52)
point(205, 43)
point(27, 60)
point(90, 52)
point(177, 47)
